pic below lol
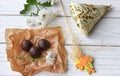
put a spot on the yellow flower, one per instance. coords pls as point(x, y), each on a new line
point(77, 61)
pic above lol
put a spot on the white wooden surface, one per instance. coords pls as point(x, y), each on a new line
point(103, 43)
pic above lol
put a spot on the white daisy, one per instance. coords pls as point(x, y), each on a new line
point(30, 21)
point(53, 2)
point(44, 18)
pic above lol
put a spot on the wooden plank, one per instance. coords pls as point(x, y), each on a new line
point(8, 7)
point(106, 32)
point(104, 71)
point(107, 61)
point(20, 22)
point(103, 43)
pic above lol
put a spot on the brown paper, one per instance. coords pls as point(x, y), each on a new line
point(28, 67)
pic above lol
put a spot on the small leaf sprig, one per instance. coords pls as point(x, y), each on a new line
point(30, 58)
point(30, 3)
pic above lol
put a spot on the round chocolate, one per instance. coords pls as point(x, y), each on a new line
point(44, 44)
point(26, 45)
point(35, 52)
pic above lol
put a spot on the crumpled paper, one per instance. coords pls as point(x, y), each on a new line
point(26, 67)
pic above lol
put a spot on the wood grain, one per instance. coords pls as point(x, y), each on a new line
point(103, 43)
point(106, 60)
point(106, 31)
point(8, 7)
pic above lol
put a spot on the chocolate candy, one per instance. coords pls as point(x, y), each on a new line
point(26, 45)
point(44, 44)
point(35, 52)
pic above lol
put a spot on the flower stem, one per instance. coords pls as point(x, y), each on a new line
point(30, 58)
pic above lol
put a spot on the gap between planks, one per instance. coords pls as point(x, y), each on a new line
point(57, 16)
point(82, 45)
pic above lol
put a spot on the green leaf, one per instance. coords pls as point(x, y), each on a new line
point(92, 66)
point(86, 67)
point(32, 2)
point(45, 4)
point(26, 8)
point(21, 57)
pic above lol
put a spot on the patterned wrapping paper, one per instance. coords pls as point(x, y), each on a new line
point(87, 15)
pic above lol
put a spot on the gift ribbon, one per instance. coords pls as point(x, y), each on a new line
point(82, 61)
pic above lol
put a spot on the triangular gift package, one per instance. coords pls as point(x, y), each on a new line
point(87, 15)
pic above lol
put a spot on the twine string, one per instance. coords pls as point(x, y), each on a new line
point(76, 49)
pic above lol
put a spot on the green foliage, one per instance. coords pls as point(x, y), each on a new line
point(35, 3)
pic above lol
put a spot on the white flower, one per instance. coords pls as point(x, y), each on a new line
point(44, 18)
point(53, 2)
point(30, 21)
point(50, 58)
point(40, 23)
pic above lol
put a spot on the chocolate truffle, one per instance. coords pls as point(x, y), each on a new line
point(26, 45)
point(44, 44)
point(35, 52)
